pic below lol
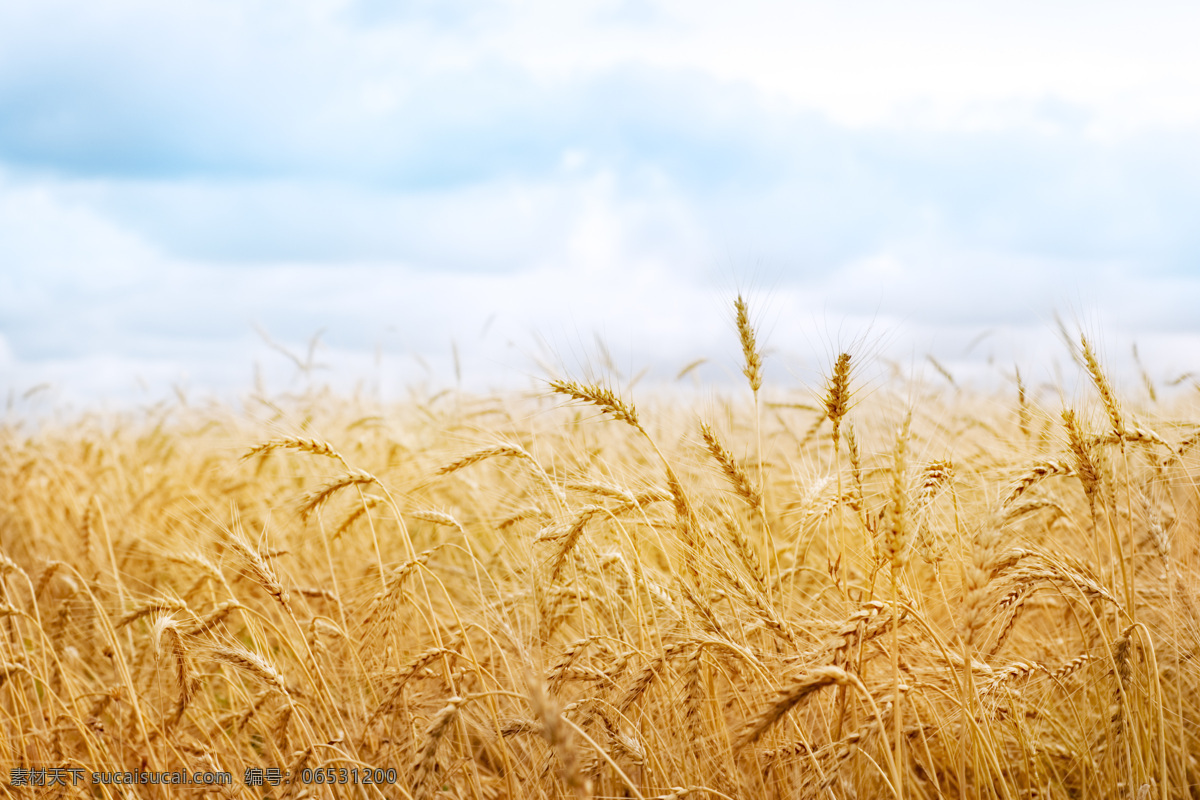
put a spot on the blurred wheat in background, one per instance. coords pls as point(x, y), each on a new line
point(913, 591)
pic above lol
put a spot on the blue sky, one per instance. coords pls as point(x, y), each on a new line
point(520, 177)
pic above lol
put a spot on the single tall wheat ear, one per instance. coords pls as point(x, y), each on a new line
point(752, 358)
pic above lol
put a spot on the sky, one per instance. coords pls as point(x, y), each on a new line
point(195, 194)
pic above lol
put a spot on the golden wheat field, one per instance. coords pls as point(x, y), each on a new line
point(835, 591)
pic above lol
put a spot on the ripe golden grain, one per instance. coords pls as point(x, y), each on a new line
point(619, 615)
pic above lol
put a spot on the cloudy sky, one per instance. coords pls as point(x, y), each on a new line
point(185, 184)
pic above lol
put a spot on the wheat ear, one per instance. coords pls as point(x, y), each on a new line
point(1102, 386)
point(733, 471)
point(317, 447)
point(800, 688)
point(252, 663)
point(434, 734)
point(600, 396)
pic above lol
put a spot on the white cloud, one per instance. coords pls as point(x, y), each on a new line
point(398, 173)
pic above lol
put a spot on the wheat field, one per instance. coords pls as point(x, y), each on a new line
point(837, 591)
